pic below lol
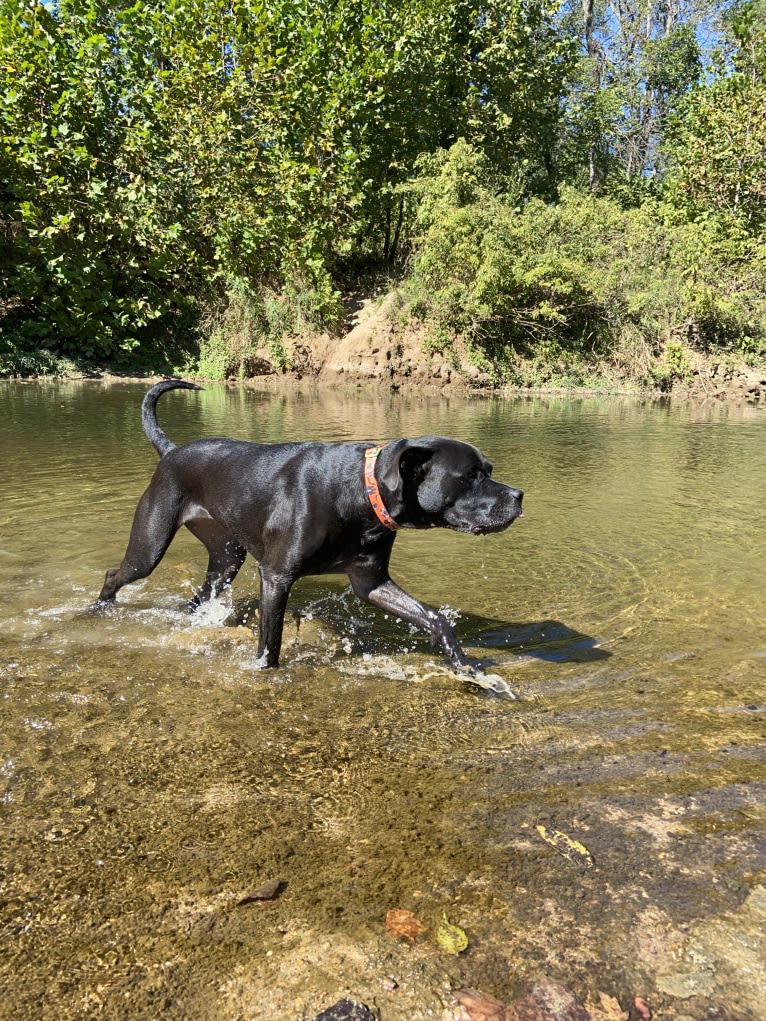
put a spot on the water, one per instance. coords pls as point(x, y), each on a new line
point(151, 778)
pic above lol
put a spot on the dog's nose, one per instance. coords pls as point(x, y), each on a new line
point(517, 494)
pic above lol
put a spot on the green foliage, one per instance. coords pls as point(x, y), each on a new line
point(18, 361)
point(572, 284)
point(717, 148)
point(638, 60)
point(199, 176)
point(97, 257)
point(242, 334)
point(153, 152)
point(493, 76)
point(674, 365)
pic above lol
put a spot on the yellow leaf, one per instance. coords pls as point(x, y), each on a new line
point(571, 849)
point(451, 938)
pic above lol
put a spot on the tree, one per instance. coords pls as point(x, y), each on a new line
point(717, 150)
point(492, 74)
point(639, 59)
point(98, 255)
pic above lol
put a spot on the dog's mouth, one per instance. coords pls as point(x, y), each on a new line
point(496, 526)
point(492, 509)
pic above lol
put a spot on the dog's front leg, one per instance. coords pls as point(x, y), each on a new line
point(387, 595)
point(275, 588)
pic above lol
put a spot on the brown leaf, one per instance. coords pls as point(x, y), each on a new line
point(481, 1007)
point(269, 891)
point(402, 923)
point(542, 1000)
point(546, 1000)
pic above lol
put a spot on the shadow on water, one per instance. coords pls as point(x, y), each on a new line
point(549, 640)
point(362, 629)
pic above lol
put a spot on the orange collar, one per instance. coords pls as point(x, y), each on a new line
point(371, 485)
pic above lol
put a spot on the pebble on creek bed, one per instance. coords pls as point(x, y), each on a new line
point(346, 1010)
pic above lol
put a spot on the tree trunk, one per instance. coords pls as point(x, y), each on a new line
point(591, 47)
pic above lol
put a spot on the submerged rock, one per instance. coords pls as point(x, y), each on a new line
point(725, 956)
point(345, 1010)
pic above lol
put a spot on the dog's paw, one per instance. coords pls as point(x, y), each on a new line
point(101, 606)
point(490, 682)
point(266, 661)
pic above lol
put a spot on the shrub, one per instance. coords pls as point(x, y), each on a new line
point(575, 283)
point(247, 321)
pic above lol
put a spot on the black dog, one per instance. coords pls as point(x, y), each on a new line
point(309, 508)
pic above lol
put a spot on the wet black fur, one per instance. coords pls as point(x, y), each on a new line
point(302, 508)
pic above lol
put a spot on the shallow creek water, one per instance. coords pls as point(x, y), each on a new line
point(151, 778)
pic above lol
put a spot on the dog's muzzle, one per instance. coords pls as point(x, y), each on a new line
point(497, 514)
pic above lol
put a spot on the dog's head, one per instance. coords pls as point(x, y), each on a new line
point(435, 482)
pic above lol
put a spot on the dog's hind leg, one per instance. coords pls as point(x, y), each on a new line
point(275, 589)
point(154, 525)
point(225, 557)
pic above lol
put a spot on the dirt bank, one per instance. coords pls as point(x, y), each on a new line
point(382, 346)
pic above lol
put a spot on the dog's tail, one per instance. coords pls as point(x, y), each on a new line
point(154, 434)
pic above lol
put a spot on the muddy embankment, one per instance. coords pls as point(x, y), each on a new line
point(382, 347)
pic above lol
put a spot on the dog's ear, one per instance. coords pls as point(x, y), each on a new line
point(407, 462)
point(415, 463)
